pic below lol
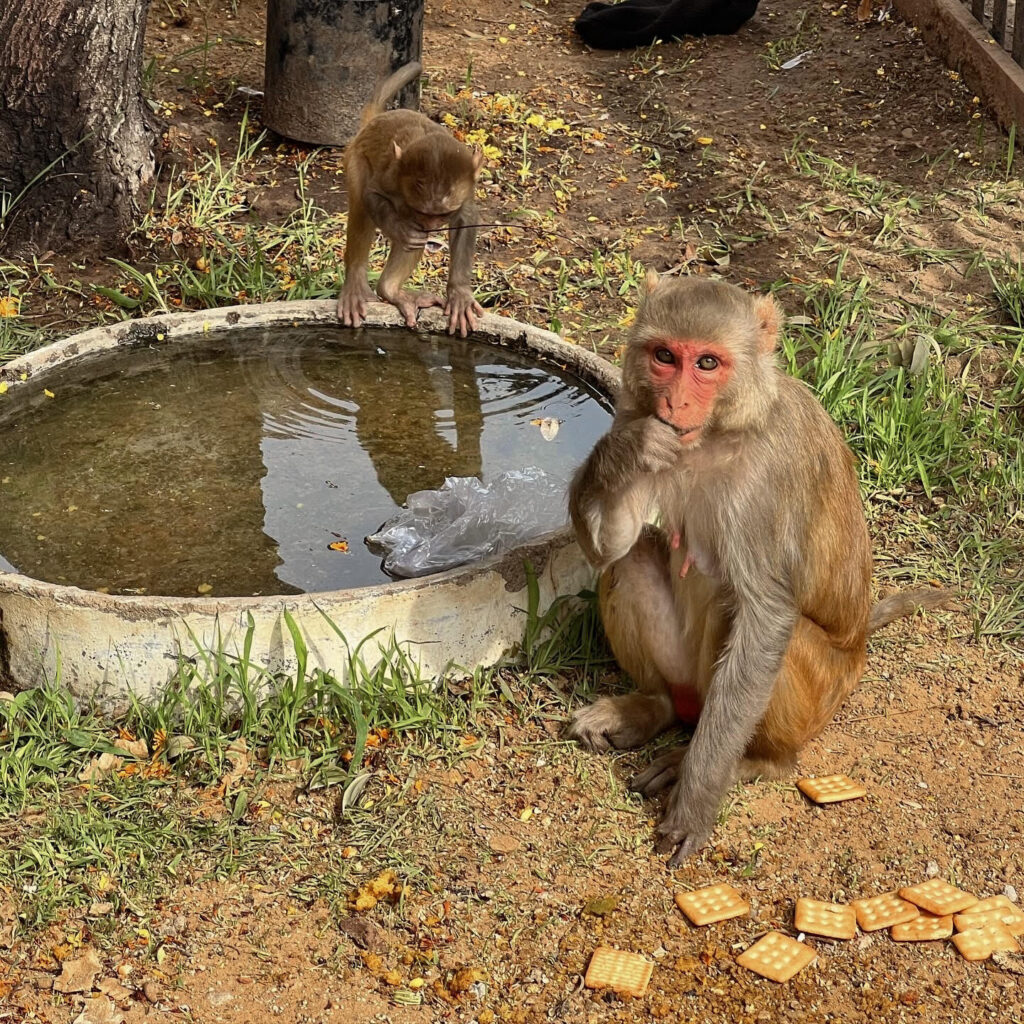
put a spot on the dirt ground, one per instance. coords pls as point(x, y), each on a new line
point(680, 156)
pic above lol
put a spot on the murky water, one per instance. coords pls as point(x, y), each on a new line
point(234, 466)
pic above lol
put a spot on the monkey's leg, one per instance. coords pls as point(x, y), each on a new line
point(816, 677)
point(355, 291)
point(401, 263)
point(639, 614)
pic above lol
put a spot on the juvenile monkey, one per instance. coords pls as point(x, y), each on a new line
point(747, 611)
point(408, 177)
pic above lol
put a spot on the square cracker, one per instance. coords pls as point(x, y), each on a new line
point(938, 897)
point(716, 903)
point(833, 920)
point(883, 911)
point(830, 789)
point(923, 928)
point(981, 943)
point(988, 911)
point(622, 972)
point(776, 956)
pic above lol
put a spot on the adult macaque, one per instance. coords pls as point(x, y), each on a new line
point(747, 611)
point(408, 177)
point(632, 23)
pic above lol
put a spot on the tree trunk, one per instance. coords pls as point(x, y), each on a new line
point(323, 58)
point(74, 144)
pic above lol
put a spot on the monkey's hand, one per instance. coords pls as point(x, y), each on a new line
point(352, 302)
point(688, 823)
point(410, 303)
point(412, 238)
point(462, 310)
point(404, 234)
point(657, 444)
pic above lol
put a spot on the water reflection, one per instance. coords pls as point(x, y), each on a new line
point(235, 466)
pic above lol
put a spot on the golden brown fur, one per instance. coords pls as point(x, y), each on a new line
point(408, 177)
point(751, 602)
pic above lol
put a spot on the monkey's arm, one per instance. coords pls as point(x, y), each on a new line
point(461, 307)
point(386, 215)
point(355, 292)
point(738, 697)
point(612, 493)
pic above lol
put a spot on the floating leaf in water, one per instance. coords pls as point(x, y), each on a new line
point(548, 427)
point(338, 545)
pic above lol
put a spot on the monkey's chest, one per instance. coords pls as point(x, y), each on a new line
point(691, 556)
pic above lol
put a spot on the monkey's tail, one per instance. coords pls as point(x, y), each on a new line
point(906, 602)
point(388, 88)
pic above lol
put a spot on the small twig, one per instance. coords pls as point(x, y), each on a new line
point(892, 714)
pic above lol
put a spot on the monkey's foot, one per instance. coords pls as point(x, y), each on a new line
point(688, 823)
point(352, 302)
point(463, 311)
point(410, 303)
point(661, 773)
point(621, 722)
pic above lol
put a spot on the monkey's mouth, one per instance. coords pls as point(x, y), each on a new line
point(682, 432)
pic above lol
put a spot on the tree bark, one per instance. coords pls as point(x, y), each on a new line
point(75, 147)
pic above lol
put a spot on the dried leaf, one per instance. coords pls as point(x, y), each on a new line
point(78, 975)
point(502, 843)
point(601, 906)
point(548, 427)
point(178, 745)
point(113, 988)
point(354, 790)
point(99, 1010)
point(919, 357)
point(100, 766)
point(133, 748)
point(364, 933)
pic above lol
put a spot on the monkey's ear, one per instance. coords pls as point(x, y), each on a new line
point(398, 150)
point(768, 322)
point(651, 280)
point(478, 160)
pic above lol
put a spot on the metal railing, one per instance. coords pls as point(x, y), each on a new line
point(1004, 21)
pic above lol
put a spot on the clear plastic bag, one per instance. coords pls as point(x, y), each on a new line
point(465, 521)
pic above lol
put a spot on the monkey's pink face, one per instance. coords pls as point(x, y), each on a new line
point(687, 377)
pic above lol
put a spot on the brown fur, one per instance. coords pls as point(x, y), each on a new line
point(763, 607)
point(408, 177)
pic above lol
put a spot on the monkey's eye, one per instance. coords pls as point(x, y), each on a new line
point(707, 363)
point(663, 355)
